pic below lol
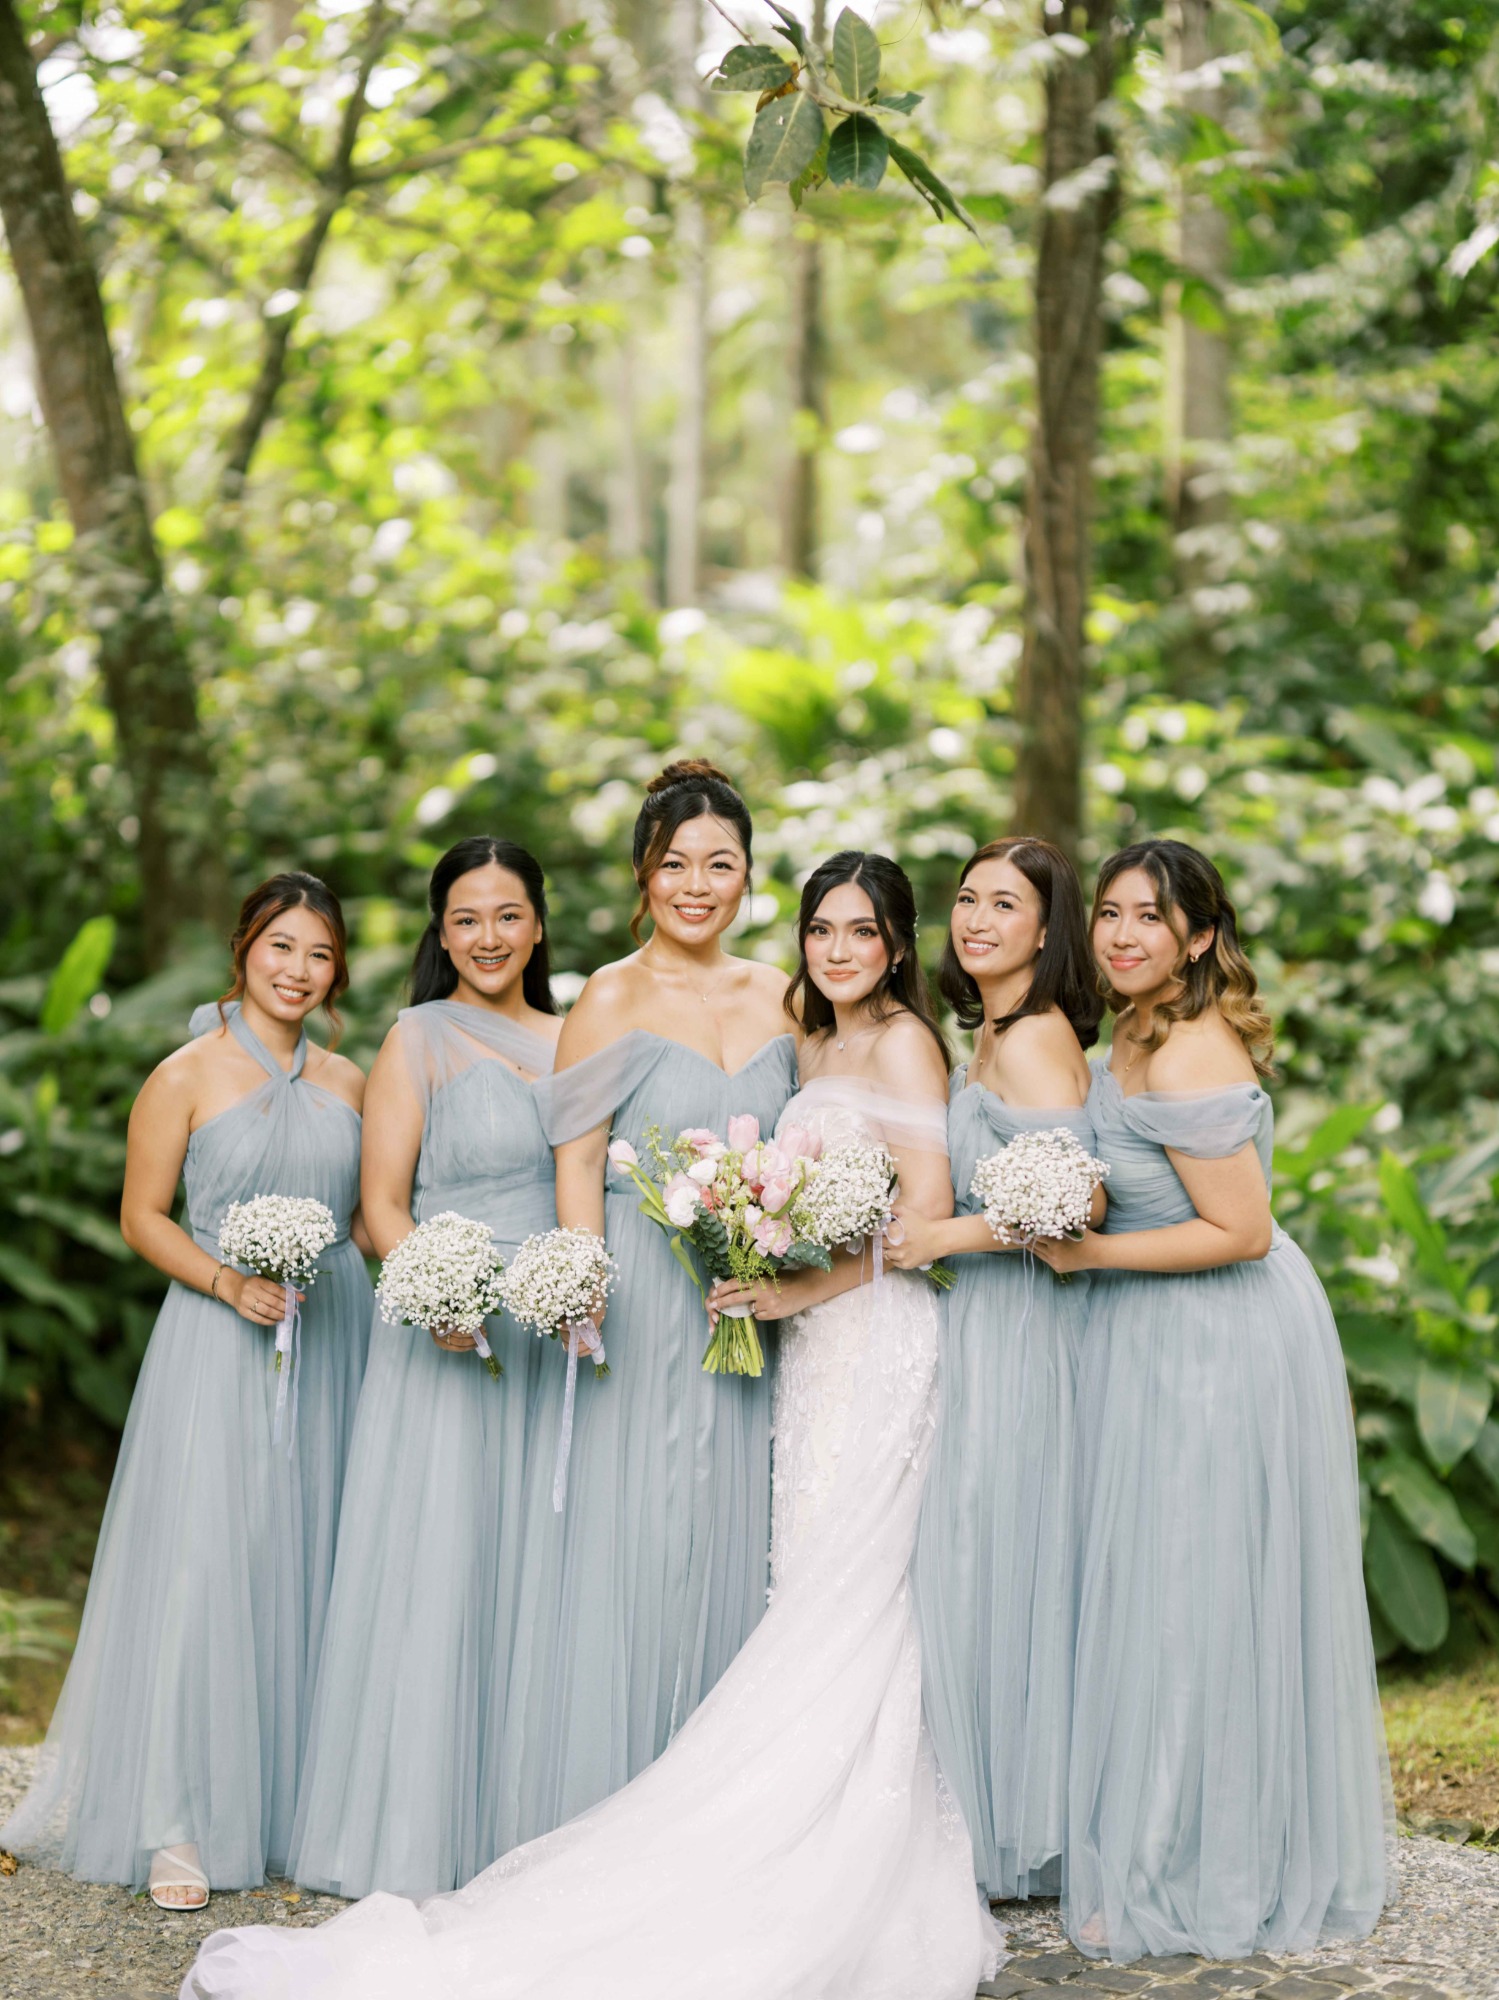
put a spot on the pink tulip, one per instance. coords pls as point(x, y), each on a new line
point(744, 1131)
point(775, 1195)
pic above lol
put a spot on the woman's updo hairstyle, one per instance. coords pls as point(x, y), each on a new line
point(690, 789)
point(293, 890)
point(1064, 976)
point(433, 975)
point(893, 900)
point(1191, 897)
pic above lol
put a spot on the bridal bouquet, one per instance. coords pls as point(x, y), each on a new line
point(555, 1283)
point(735, 1200)
point(1038, 1186)
point(849, 1195)
point(445, 1274)
point(280, 1237)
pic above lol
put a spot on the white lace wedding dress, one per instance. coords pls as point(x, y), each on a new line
point(795, 1841)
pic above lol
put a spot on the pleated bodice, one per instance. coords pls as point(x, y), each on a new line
point(1145, 1190)
point(484, 1152)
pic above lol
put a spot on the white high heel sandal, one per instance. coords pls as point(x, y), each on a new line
point(177, 1868)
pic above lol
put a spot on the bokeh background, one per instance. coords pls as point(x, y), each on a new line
point(466, 443)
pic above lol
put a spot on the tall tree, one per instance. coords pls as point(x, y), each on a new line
point(143, 661)
point(1198, 357)
point(684, 484)
point(1078, 203)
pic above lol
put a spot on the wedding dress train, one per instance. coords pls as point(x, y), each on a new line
point(795, 1841)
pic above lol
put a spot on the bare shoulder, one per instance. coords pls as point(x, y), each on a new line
point(1204, 1054)
point(1040, 1061)
point(547, 1027)
point(906, 1058)
point(767, 981)
point(338, 1074)
point(178, 1080)
point(602, 1012)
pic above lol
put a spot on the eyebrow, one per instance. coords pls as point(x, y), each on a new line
point(717, 851)
point(468, 909)
point(290, 937)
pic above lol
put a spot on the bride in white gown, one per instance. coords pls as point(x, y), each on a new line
point(795, 1841)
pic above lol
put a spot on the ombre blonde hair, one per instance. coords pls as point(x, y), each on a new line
point(1191, 897)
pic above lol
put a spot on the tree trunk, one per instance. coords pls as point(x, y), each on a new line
point(1077, 209)
point(808, 370)
point(625, 487)
point(1197, 356)
point(147, 675)
point(684, 484)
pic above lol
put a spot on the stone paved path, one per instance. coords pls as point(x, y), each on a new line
point(66, 1940)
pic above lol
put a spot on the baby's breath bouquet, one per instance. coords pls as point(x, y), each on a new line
point(444, 1276)
point(555, 1283)
point(733, 1199)
point(1038, 1187)
point(849, 1196)
point(280, 1237)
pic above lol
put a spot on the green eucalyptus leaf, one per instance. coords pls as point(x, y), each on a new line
point(858, 154)
point(1452, 1406)
point(928, 184)
point(782, 143)
point(1425, 1505)
point(1405, 1583)
point(78, 974)
point(856, 56)
point(756, 68)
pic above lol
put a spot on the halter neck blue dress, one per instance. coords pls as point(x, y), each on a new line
point(659, 1566)
point(1229, 1791)
point(184, 1713)
point(403, 1784)
point(993, 1569)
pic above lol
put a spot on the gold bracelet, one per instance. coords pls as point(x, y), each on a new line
point(213, 1289)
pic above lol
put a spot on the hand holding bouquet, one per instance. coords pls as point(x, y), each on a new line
point(734, 1200)
point(445, 1274)
point(555, 1283)
point(849, 1197)
point(1037, 1187)
point(279, 1237)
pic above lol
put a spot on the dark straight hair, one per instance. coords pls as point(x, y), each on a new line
point(294, 890)
point(903, 984)
point(690, 789)
point(433, 976)
point(1064, 977)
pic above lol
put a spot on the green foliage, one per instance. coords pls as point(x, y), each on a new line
point(29, 1630)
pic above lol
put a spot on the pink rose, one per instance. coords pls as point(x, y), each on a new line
point(704, 1172)
point(704, 1143)
point(744, 1131)
point(751, 1168)
point(772, 1236)
point(681, 1198)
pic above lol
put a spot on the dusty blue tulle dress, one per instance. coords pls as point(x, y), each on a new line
point(993, 1569)
point(402, 1784)
point(660, 1568)
point(1229, 1791)
point(185, 1709)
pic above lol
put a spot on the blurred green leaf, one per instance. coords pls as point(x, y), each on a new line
point(1405, 1583)
point(1451, 1407)
point(856, 58)
point(1426, 1506)
point(783, 141)
point(858, 154)
point(79, 973)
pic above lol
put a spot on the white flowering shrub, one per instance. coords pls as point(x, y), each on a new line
point(277, 1236)
point(1038, 1187)
point(445, 1276)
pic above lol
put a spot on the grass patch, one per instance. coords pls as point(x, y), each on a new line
point(1442, 1721)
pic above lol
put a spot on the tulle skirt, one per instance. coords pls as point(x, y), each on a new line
point(185, 1709)
point(993, 1571)
point(1229, 1791)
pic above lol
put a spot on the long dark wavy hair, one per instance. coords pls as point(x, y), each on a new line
point(433, 975)
point(903, 983)
point(295, 889)
point(685, 790)
point(1064, 975)
point(1192, 898)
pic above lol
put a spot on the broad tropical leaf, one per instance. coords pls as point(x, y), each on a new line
point(1401, 1195)
point(1405, 1583)
point(1485, 1452)
point(1378, 1354)
point(858, 154)
point(84, 1225)
point(1426, 1506)
point(78, 974)
point(24, 1275)
point(1452, 1405)
point(784, 140)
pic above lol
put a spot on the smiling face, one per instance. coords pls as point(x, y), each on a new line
point(1138, 949)
point(846, 956)
point(694, 891)
point(291, 965)
point(998, 922)
point(489, 931)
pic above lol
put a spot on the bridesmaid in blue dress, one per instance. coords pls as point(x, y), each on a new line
point(172, 1758)
point(660, 1569)
point(403, 1781)
point(993, 1571)
point(1229, 1791)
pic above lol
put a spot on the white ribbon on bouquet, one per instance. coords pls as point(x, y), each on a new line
point(582, 1336)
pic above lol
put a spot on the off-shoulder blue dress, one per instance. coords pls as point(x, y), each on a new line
point(1229, 1791)
point(659, 1566)
point(404, 1777)
point(993, 1569)
point(185, 1709)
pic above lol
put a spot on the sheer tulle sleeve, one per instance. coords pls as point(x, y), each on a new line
point(206, 1017)
point(1206, 1124)
point(575, 1100)
point(443, 1038)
